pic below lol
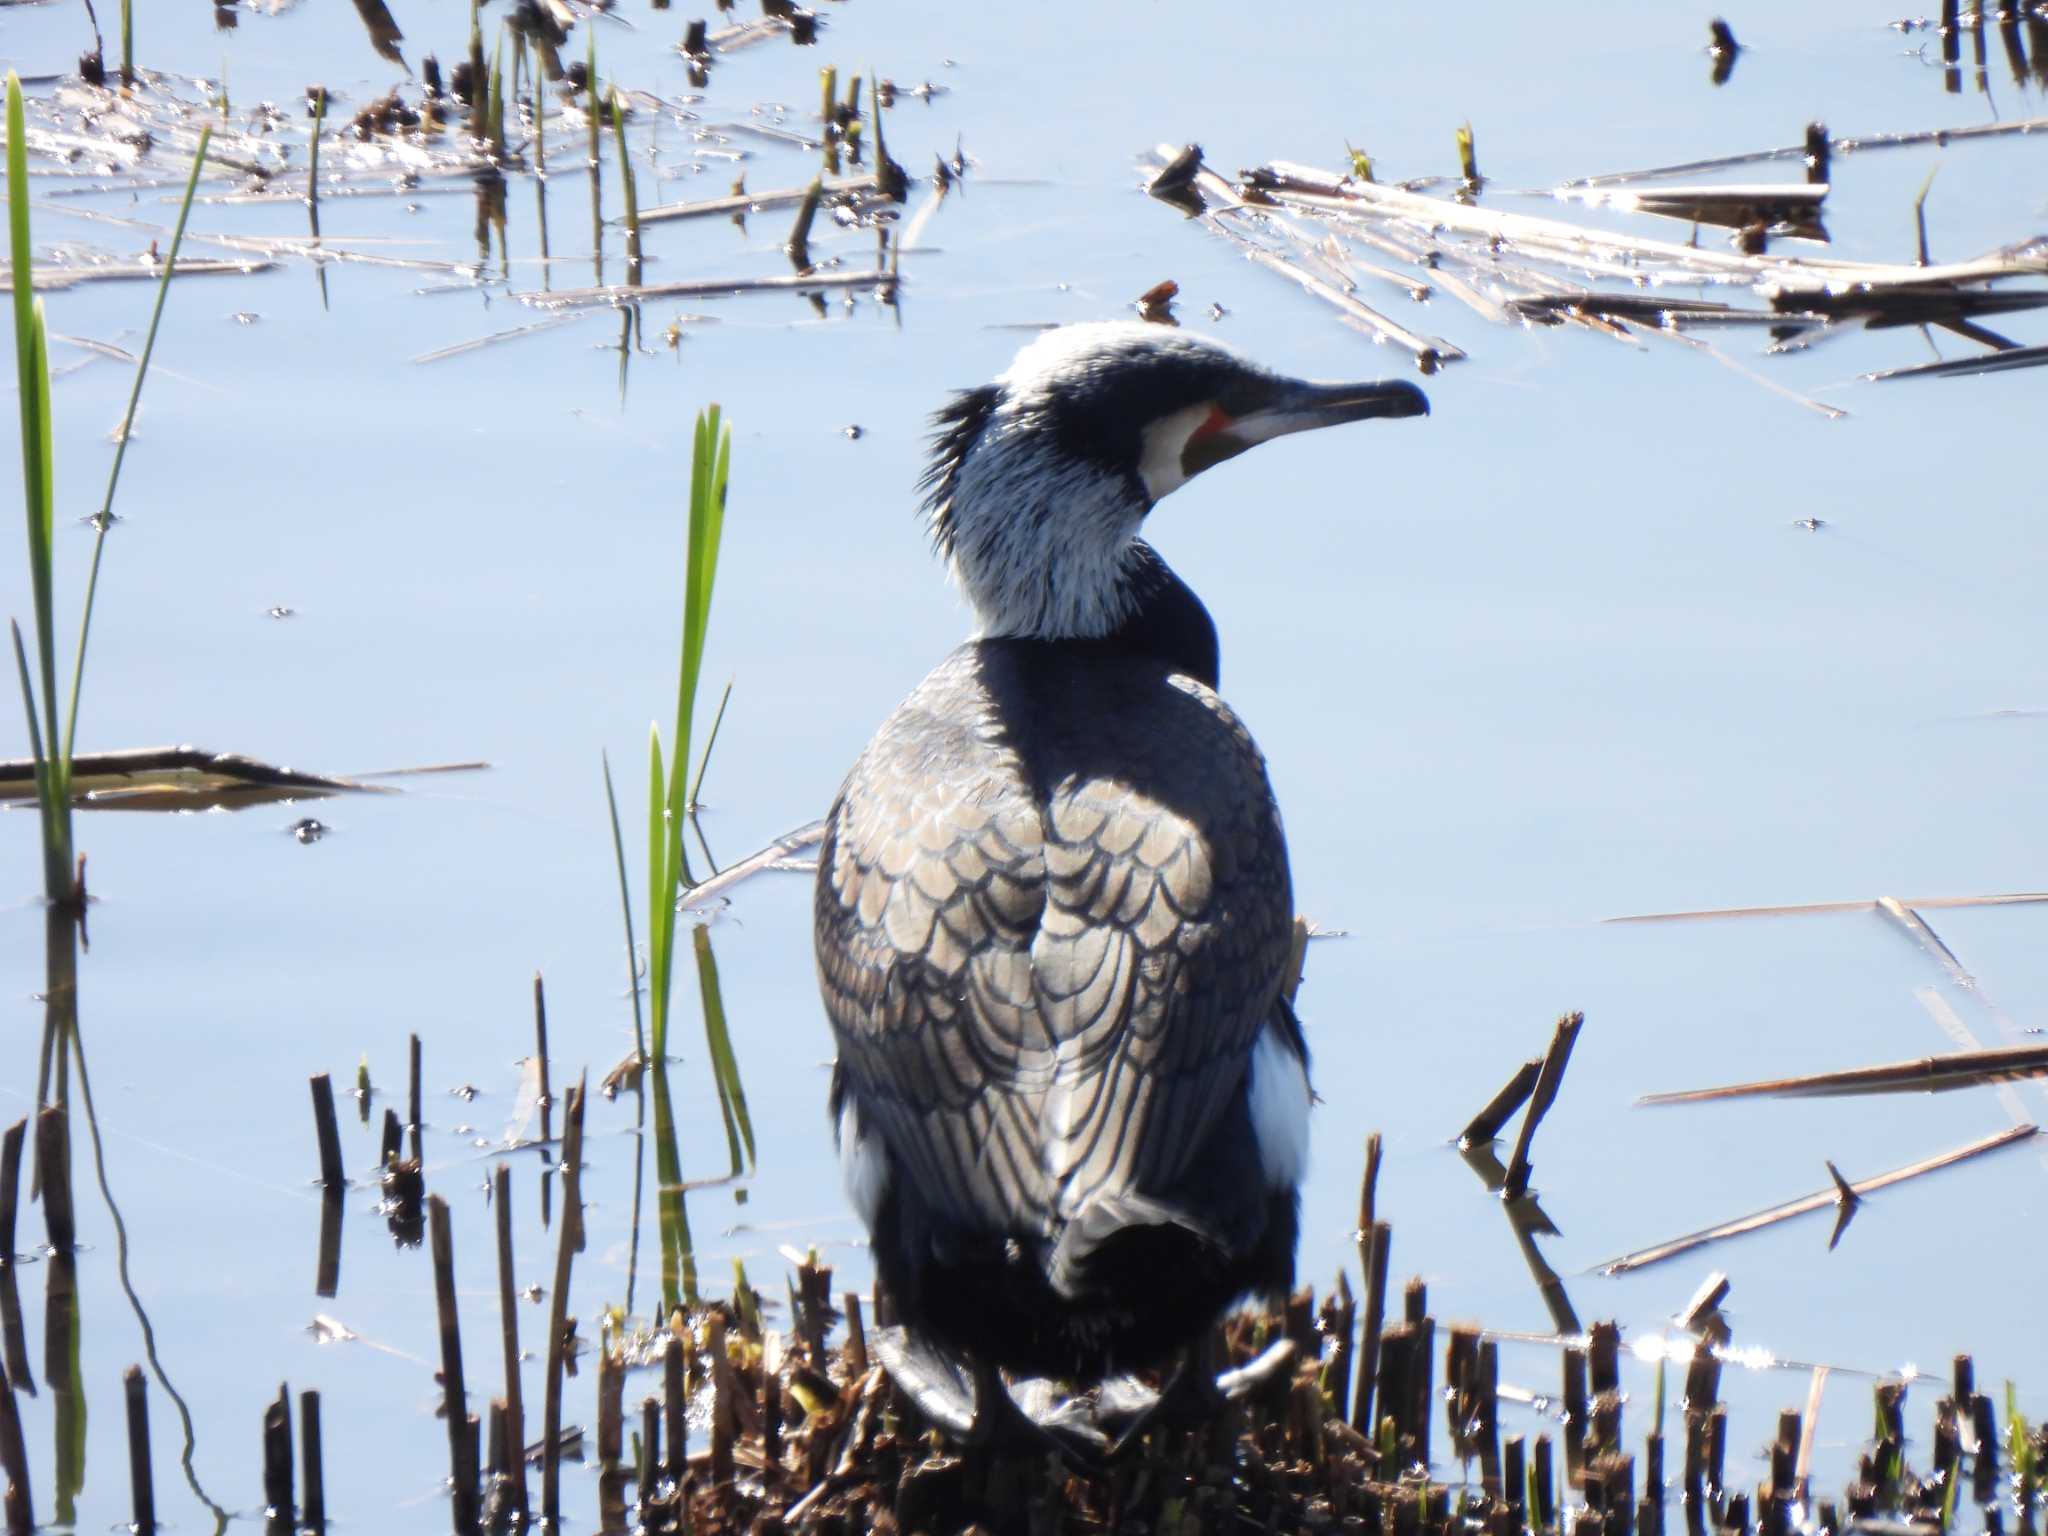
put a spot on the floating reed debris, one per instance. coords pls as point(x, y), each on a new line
point(834, 187)
point(1866, 904)
point(1807, 1204)
point(1926, 1074)
point(180, 779)
point(614, 294)
point(1308, 223)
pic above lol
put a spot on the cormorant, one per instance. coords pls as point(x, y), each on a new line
point(1053, 912)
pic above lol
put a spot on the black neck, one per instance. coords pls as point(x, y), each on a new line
point(1169, 621)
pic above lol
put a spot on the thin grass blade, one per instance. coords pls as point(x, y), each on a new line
point(725, 1067)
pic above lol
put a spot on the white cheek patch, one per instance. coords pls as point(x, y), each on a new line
point(1160, 466)
point(863, 1165)
point(1278, 1091)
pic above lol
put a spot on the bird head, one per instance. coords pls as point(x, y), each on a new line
point(1040, 480)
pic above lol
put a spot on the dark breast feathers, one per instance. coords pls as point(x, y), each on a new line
point(1052, 917)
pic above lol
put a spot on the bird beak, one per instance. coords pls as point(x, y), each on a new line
point(1297, 406)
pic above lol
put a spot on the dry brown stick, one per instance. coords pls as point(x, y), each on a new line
point(1548, 1078)
point(508, 1328)
point(1806, 1204)
point(312, 1467)
point(1929, 1074)
point(1485, 1126)
point(329, 1132)
point(462, 1449)
point(558, 1309)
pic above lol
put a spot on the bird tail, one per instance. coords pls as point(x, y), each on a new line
point(1119, 1240)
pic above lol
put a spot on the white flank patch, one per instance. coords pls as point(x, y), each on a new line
point(863, 1164)
point(1278, 1090)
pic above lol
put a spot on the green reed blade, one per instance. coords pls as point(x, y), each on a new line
point(104, 520)
point(661, 904)
point(611, 801)
point(678, 1252)
point(725, 1067)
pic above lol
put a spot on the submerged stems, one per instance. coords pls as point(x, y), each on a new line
point(618, 116)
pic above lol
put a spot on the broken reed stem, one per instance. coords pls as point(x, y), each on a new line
point(413, 1096)
point(508, 1327)
point(277, 1460)
point(329, 1132)
point(571, 1238)
point(312, 1467)
point(611, 1434)
point(1547, 1080)
point(141, 1485)
point(723, 1408)
point(1371, 1261)
point(462, 1447)
point(327, 1280)
point(1369, 1347)
point(1485, 1126)
point(650, 1457)
point(19, 1508)
point(497, 1514)
point(676, 1400)
point(53, 1167)
point(540, 1052)
point(10, 1183)
point(856, 1338)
